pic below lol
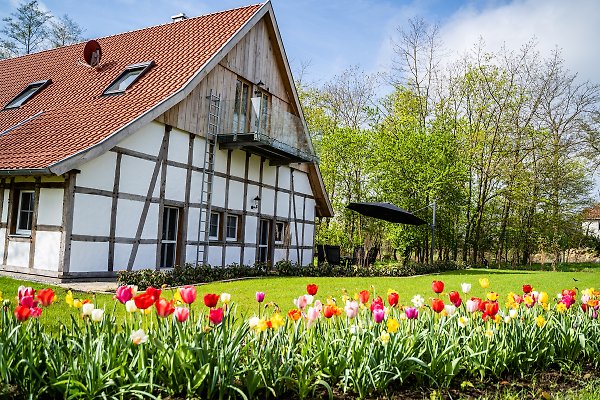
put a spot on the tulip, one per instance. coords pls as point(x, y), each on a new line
point(181, 314)
point(301, 302)
point(215, 315)
point(46, 296)
point(392, 325)
point(35, 312)
point(465, 287)
point(309, 299)
point(363, 296)
point(260, 296)
point(97, 314)
point(385, 337)
point(313, 314)
point(130, 306)
point(294, 314)
point(28, 301)
point(124, 294)
point(437, 286)
point(329, 311)
point(393, 299)
point(276, 321)
point(87, 309)
point(527, 289)
point(23, 291)
point(513, 313)
point(225, 298)
point(139, 337)
point(253, 322)
point(22, 313)
point(377, 303)
point(351, 308)
point(437, 305)
point(543, 297)
point(211, 300)
point(455, 299)
point(164, 308)
point(312, 289)
point(463, 321)
point(492, 296)
point(450, 309)
point(418, 301)
point(484, 282)
point(411, 312)
point(491, 308)
point(143, 300)
point(154, 293)
point(188, 295)
point(318, 305)
point(378, 315)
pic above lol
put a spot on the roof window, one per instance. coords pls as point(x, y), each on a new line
point(128, 77)
point(31, 90)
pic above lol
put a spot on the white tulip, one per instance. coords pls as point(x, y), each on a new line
point(253, 322)
point(97, 314)
point(466, 287)
point(139, 336)
point(87, 309)
point(130, 306)
point(450, 309)
point(513, 313)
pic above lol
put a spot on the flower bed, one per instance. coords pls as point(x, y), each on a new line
point(361, 344)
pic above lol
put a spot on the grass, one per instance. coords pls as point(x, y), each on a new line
point(282, 291)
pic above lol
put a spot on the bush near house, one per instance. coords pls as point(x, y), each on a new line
point(188, 274)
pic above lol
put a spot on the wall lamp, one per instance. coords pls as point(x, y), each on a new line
point(255, 203)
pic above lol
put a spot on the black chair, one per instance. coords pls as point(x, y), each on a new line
point(372, 256)
point(333, 254)
point(320, 254)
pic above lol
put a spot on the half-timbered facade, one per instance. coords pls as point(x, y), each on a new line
point(184, 144)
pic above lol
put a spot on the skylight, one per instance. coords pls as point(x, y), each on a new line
point(31, 90)
point(128, 77)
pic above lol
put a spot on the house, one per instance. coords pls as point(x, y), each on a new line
point(591, 221)
point(178, 143)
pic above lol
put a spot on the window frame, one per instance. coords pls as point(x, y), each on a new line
point(263, 117)
point(236, 230)
point(143, 67)
point(210, 236)
point(241, 117)
point(38, 87)
point(175, 241)
point(283, 232)
point(19, 209)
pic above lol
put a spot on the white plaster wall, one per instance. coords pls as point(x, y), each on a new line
point(279, 255)
point(299, 207)
point(591, 227)
point(215, 254)
point(122, 253)
point(220, 160)
point(267, 201)
point(293, 257)
point(283, 204)
point(196, 187)
point(4, 216)
point(47, 248)
point(91, 215)
point(310, 210)
point(236, 196)
point(150, 230)
point(18, 254)
point(293, 240)
point(269, 174)
point(51, 207)
point(218, 189)
point(179, 142)
point(238, 164)
point(284, 177)
point(232, 255)
point(190, 254)
point(301, 182)
point(254, 168)
point(2, 236)
point(128, 217)
point(250, 229)
point(147, 140)
point(309, 232)
point(307, 257)
point(175, 184)
point(145, 257)
point(252, 193)
point(98, 173)
point(192, 230)
point(88, 256)
point(136, 174)
point(249, 256)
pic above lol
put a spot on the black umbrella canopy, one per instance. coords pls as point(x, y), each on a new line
point(387, 212)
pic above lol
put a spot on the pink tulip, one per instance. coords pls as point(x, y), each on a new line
point(124, 294)
point(181, 314)
point(23, 291)
point(260, 296)
point(411, 312)
point(318, 305)
point(313, 314)
point(301, 302)
point(188, 294)
point(351, 309)
point(28, 301)
point(378, 315)
point(35, 312)
point(215, 315)
point(472, 305)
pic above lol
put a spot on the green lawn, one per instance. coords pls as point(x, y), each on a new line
point(282, 291)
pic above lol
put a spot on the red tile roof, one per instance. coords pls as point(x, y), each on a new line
point(75, 115)
point(592, 212)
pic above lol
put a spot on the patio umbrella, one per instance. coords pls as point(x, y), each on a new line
point(387, 212)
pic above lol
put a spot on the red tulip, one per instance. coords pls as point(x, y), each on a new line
point(211, 300)
point(393, 299)
point(22, 313)
point(312, 289)
point(377, 303)
point(329, 311)
point(188, 294)
point(155, 293)
point(437, 305)
point(216, 315)
point(363, 296)
point(527, 289)
point(35, 312)
point(569, 292)
point(143, 301)
point(46, 296)
point(437, 286)
point(455, 298)
point(491, 308)
point(28, 301)
point(164, 308)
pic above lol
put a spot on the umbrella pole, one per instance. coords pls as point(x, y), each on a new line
point(433, 231)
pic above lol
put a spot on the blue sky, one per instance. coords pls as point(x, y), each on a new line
point(335, 34)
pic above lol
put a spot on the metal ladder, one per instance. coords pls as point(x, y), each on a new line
point(208, 171)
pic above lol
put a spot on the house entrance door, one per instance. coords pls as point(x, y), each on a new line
point(264, 242)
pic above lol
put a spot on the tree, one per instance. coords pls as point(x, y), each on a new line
point(25, 29)
point(64, 31)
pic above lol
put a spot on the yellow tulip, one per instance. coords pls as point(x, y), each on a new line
point(262, 325)
point(492, 296)
point(484, 282)
point(77, 303)
point(385, 337)
point(68, 299)
point(392, 325)
point(277, 321)
point(540, 321)
point(1, 298)
point(561, 307)
point(543, 297)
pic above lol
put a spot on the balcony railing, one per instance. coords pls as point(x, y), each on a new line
point(264, 130)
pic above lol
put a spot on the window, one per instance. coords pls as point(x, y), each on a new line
point(128, 77)
point(31, 90)
point(24, 220)
point(170, 227)
point(240, 110)
point(260, 105)
point(279, 232)
point(213, 230)
point(232, 227)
